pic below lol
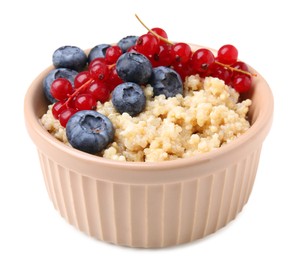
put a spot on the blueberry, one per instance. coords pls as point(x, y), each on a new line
point(99, 51)
point(127, 42)
point(55, 74)
point(129, 97)
point(166, 81)
point(134, 67)
point(89, 131)
point(70, 57)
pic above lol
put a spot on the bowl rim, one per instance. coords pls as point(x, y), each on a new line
point(257, 132)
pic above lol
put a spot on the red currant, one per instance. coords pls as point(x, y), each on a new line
point(163, 57)
point(201, 60)
point(85, 102)
point(112, 54)
point(61, 88)
point(114, 80)
point(227, 54)
point(241, 83)
point(99, 69)
point(99, 91)
point(160, 32)
point(81, 78)
point(147, 44)
point(239, 65)
point(65, 116)
point(181, 52)
point(57, 108)
point(184, 70)
point(221, 73)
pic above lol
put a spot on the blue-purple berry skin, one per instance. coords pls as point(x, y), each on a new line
point(89, 131)
point(166, 81)
point(134, 67)
point(70, 57)
point(129, 98)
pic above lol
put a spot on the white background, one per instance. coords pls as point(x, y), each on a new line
point(264, 33)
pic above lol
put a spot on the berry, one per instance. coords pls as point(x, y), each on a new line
point(166, 81)
point(239, 65)
point(112, 54)
point(134, 67)
point(81, 78)
point(241, 83)
point(65, 115)
point(221, 72)
point(57, 108)
point(181, 52)
point(129, 97)
point(85, 102)
point(61, 89)
point(227, 54)
point(99, 91)
point(55, 74)
point(127, 42)
point(184, 70)
point(201, 60)
point(160, 32)
point(98, 51)
point(99, 70)
point(70, 57)
point(163, 57)
point(147, 44)
point(114, 80)
point(89, 131)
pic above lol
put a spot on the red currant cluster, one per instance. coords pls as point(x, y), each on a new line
point(90, 86)
point(180, 57)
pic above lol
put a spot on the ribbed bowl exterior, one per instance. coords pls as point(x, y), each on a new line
point(150, 215)
point(150, 204)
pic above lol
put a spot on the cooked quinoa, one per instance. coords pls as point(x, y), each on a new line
point(208, 116)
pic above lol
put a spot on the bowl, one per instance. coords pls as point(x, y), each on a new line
point(150, 205)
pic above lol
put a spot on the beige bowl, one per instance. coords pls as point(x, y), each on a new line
point(150, 204)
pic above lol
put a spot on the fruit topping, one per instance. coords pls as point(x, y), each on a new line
point(99, 51)
point(55, 74)
point(70, 57)
point(129, 97)
point(166, 81)
point(89, 131)
point(134, 67)
point(127, 42)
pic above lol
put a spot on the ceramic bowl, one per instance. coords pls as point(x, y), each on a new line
point(157, 204)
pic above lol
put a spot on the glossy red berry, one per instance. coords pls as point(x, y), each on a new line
point(201, 60)
point(65, 116)
point(61, 88)
point(112, 54)
point(221, 72)
point(57, 108)
point(99, 91)
point(227, 54)
point(99, 70)
point(147, 44)
point(85, 102)
point(239, 65)
point(81, 78)
point(241, 83)
point(160, 32)
point(181, 52)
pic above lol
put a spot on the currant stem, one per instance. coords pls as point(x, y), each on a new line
point(235, 69)
point(155, 34)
